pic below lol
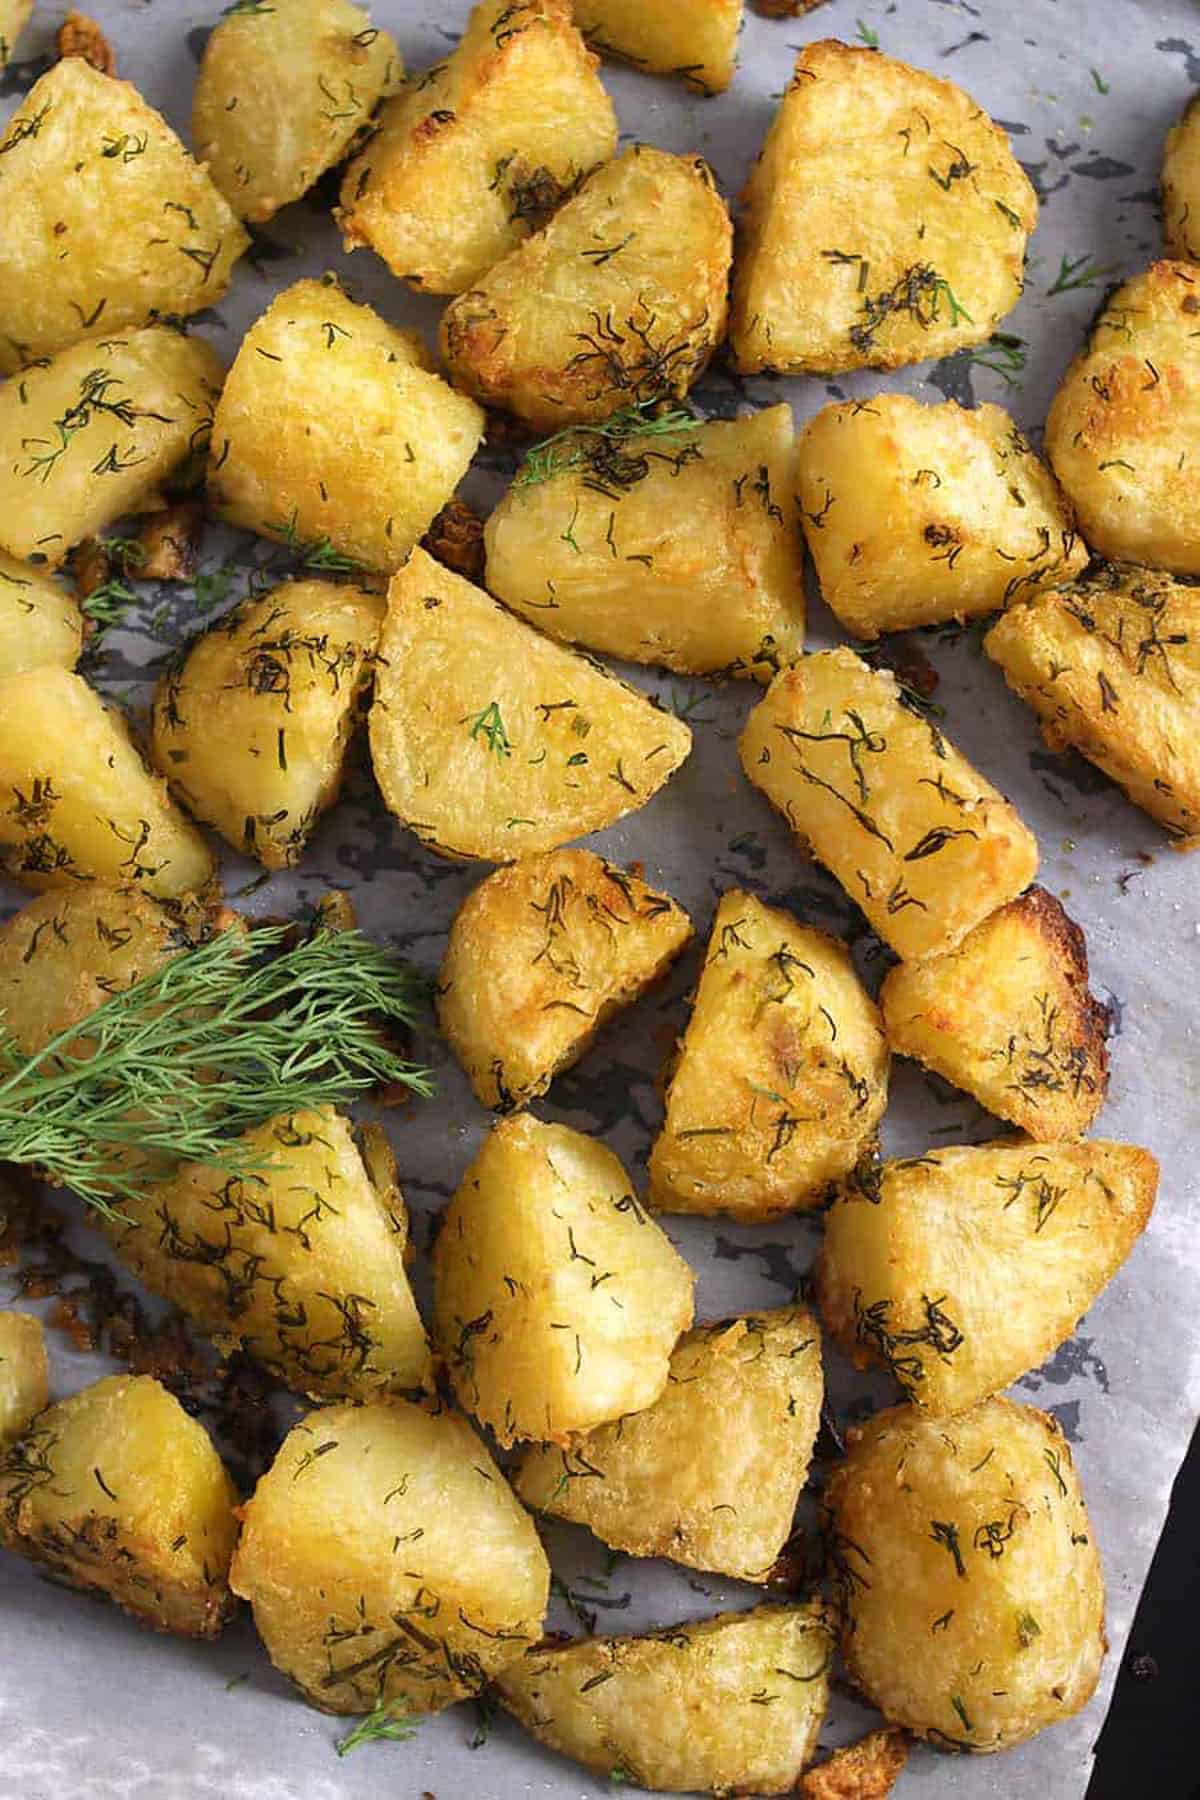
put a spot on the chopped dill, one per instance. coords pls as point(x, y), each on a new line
point(382, 1725)
point(600, 448)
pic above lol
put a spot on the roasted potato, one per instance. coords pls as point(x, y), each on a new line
point(1111, 666)
point(489, 741)
point(620, 299)
point(973, 1594)
point(477, 152)
point(711, 1473)
point(108, 222)
point(24, 1374)
point(365, 442)
point(387, 1560)
point(866, 1770)
point(39, 621)
point(558, 1301)
point(696, 41)
point(676, 545)
point(1181, 186)
point(914, 834)
point(962, 1269)
point(14, 16)
point(538, 957)
point(119, 1492)
point(730, 1705)
point(782, 1074)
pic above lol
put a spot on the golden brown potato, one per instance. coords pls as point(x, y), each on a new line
point(558, 1301)
point(914, 834)
point(867, 1770)
point(119, 1492)
point(490, 741)
point(136, 230)
point(711, 1473)
point(14, 16)
point(636, 264)
point(696, 41)
point(24, 1374)
point(387, 1560)
point(477, 152)
point(1111, 666)
point(974, 1599)
point(1181, 186)
point(730, 1705)
point(676, 545)
point(365, 443)
point(962, 1269)
point(39, 621)
point(538, 957)
point(782, 1074)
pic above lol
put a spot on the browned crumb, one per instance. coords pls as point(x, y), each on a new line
point(91, 566)
point(80, 36)
point(168, 543)
point(908, 663)
point(456, 539)
point(786, 9)
point(862, 1771)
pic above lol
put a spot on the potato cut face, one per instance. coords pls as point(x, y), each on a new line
point(251, 729)
point(477, 152)
point(282, 94)
point(489, 741)
point(119, 1492)
point(365, 444)
point(725, 1706)
point(14, 16)
point(88, 435)
point(387, 1559)
point(677, 548)
point(620, 299)
point(914, 834)
point(963, 1269)
point(24, 1374)
point(558, 1300)
point(886, 221)
point(1181, 186)
point(782, 1074)
point(711, 1473)
point(134, 229)
point(1111, 666)
point(916, 514)
point(538, 957)
point(40, 622)
point(969, 1570)
point(697, 42)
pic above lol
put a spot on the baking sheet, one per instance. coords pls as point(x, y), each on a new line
point(89, 1705)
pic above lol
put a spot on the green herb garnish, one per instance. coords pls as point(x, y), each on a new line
point(599, 448)
point(383, 1724)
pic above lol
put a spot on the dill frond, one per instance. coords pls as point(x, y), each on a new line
point(384, 1723)
point(601, 448)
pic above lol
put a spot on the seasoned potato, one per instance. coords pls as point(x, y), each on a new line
point(696, 40)
point(90, 433)
point(974, 1599)
point(365, 442)
point(1181, 186)
point(119, 1492)
point(1111, 666)
point(964, 1268)
point(711, 1473)
point(251, 729)
point(558, 1301)
point(538, 957)
point(866, 1770)
point(387, 1560)
point(914, 834)
point(477, 152)
point(39, 621)
point(915, 514)
point(282, 94)
point(14, 16)
point(107, 220)
point(677, 547)
point(782, 1075)
point(489, 741)
point(620, 299)
point(730, 1705)
point(24, 1374)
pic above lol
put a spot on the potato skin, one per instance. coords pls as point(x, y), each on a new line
point(39, 621)
point(24, 1374)
point(782, 1074)
point(696, 41)
point(857, 254)
point(14, 16)
point(538, 957)
point(1181, 186)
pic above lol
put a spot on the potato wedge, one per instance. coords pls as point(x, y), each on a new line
point(14, 16)
point(1181, 186)
point(24, 1373)
point(696, 41)
point(40, 623)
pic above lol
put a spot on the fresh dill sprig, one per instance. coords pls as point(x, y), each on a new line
point(314, 553)
point(599, 446)
point(384, 1723)
point(1079, 272)
point(1003, 355)
point(107, 606)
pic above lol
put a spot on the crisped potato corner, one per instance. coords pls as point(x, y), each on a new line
point(24, 1376)
point(39, 621)
point(14, 15)
point(696, 40)
point(1181, 186)
point(866, 1770)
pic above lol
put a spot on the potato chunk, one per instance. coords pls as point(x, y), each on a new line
point(971, 1580)
point(696, 41)
point(39, 621)
point(107, 220)
point(14, 16)
point(730, 1705)
point(558, 1300)
point(782, 1075)
point(119, 1492)
point(914, 834)
point(963, 1269)
point(387, 1560)
point(24, 1374)
point(916, 514)
point(477, 152)
point(489, 741)
point(677, 547)
point(886, 221)
point(1181, 186)
point(620, 299)
point(1111, 666)
point(365, 444)
point(711, 1473)
point(538, 957)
